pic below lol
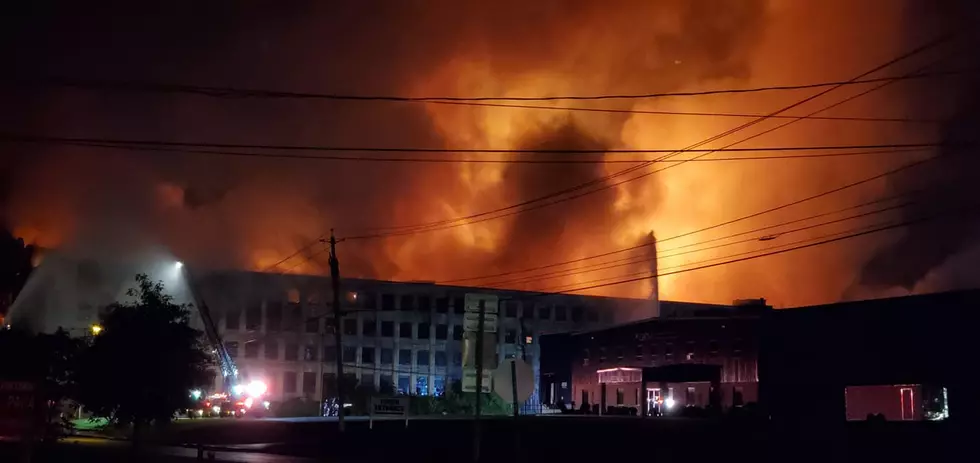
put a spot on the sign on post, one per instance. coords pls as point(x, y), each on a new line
point(472, 301)
point(471, 322)
point(17, 415)
point(388, 406)
point(489, 349)
point(477, 305)
point(469, 380)
point(514, 376)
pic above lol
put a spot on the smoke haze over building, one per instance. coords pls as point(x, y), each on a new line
point(215, 211)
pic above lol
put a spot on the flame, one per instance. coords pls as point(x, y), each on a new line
point(253, 213)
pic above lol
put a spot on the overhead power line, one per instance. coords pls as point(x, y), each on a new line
point(711, 227)
point(766, 254)
point(298, 252)
point(121, 146)
point(168, 143)
point(601, 184)
point(673, 252)
point(232, 92)
point(235, 92)
point(721, 224)
point(808, 198)
point(510, 209)
point(650, 273)
point(909, 120)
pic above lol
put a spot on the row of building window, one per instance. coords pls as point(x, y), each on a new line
point(641, 351)
point(422, 303)
point(409, 330)
point(369, 355)
point(288, 316)
point(291, 383)
point(405, 330)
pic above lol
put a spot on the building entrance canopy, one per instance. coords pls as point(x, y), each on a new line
point(620, 375)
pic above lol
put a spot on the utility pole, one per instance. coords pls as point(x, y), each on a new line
point(323, 354)
point(481, 321)
point(337, 314)
point(522, 341)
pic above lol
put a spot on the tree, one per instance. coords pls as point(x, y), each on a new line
point(456, 402)
point(145, 360)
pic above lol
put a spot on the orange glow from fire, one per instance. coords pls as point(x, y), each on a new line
point(251, 214)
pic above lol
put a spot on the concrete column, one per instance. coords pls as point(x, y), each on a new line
point(643, 399)
point(262, 327)
point(714, 394)
point(602, 398)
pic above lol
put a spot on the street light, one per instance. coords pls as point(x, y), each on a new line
point(96, 329)
point(179, 265)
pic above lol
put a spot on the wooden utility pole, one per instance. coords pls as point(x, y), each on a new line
point(337, 316)
point(481, 321)
point(322, 356)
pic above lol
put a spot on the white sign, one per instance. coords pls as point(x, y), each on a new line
point(505, 376)
point(389, 406)
point(469, 380)
point(472, 302)
point(470, 341)
point(471, 322)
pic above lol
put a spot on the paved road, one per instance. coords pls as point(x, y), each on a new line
point(559, 439)
point(85, 449)
point(577, 438)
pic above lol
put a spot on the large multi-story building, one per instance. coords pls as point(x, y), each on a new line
point(279, 328)
point(397, 335)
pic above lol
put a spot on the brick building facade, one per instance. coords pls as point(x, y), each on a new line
point(607, 365)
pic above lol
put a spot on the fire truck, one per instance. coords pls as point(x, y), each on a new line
point(235, 398)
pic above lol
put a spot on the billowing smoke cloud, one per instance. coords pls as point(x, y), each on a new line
point(250, 213)
point(937, 255)
point(946, 189)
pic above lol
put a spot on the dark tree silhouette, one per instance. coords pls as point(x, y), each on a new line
point(48, 362)
point(145, 360)
point(15, 267)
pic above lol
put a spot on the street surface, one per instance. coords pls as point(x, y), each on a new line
point(575, 438)
point(571, 438)
point(98, 449)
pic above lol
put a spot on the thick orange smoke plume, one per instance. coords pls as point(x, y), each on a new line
point(251, 213)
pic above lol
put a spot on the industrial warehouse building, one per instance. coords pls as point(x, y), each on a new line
point(903, 359)
point(692, 355)
point(897, 359)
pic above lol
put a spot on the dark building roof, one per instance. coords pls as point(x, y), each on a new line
point(673, 311)
point(354, 283)
point(944, 301)
point(816, 351)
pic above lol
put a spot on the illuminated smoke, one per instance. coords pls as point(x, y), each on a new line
point(233, 213)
